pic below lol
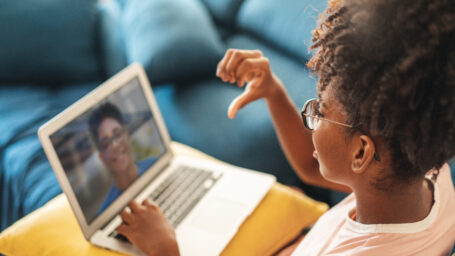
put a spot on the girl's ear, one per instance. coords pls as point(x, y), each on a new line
point(363, 154)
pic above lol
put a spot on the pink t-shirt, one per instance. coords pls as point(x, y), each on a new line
point(335, 233)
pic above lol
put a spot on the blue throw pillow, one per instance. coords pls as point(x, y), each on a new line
point(175, 40)
point(224, 11)
point(286, 24)
point(48, 41)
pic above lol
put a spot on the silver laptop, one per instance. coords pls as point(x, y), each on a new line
point(112, 146)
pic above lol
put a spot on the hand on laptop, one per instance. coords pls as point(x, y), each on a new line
point(251, 67)
point(147, 228)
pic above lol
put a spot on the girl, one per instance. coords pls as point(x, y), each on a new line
point(382, 127)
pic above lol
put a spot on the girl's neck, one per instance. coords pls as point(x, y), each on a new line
point(409, 203)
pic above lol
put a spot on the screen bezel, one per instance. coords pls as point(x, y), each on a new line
point(77, 109)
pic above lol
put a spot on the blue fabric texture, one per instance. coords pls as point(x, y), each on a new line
point(224, 11)
point(26, 178)
point(175, 40)
point(121, 3)
point(287, 25)
point(52, 41)
point(111, 36)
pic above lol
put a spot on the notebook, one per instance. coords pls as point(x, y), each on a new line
point(112, 146)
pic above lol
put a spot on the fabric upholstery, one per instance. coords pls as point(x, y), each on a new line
point(111, 36)
point(175, 40)
point(287, 25)
point(224, 11)
point(49, 42)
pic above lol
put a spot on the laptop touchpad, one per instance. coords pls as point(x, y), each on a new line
point(219, 216)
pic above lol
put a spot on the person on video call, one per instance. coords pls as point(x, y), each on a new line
point(114, 146)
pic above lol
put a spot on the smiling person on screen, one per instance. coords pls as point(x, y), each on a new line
point(382, 128)
point(114, 145)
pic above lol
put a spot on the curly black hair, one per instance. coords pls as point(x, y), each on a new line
point(391, 64)
point(105, 110)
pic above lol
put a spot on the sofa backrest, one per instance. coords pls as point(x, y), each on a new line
point(223, 11)
point(286, 24)
point(50, 42)
point(175, 40)
point(112, 40)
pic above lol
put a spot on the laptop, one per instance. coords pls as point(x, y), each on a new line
point(112, 146)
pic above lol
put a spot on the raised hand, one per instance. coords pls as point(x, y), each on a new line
point(252, 68)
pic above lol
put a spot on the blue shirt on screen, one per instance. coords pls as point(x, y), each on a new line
point(115, 192)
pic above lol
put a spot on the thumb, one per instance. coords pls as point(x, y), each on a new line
point(239, 102)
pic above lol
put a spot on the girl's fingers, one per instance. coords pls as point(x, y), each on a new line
point(221, 65)
point(236, 58)
point(148, 203)
point(251, 68)
point(134, 206)
point(243, 66)
point(123, 230)
point(227, 66)
point(234, 107)
point(126, 217)
point(243, 99)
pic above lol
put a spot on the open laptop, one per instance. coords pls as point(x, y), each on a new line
point(112, 146)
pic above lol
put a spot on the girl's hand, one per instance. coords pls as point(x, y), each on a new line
point(147, 228)
point(252, 68)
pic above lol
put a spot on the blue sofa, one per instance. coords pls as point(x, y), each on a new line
point(58, 50)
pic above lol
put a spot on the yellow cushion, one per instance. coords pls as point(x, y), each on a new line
point(53, 229)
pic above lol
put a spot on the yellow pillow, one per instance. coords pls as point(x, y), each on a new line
point(53, 229)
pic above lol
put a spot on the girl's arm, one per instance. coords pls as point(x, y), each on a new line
point(252, 68)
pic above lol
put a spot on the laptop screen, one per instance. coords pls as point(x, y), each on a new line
point(104, 150)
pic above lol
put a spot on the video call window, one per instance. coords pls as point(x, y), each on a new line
point(107, 148)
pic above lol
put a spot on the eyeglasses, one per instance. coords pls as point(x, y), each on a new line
point(311, 116)
point(106, 143)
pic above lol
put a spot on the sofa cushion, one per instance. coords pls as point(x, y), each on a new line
point(224, 11)
point(111, 36)
point(175, 40)
point(286, 24)
point(52, 41)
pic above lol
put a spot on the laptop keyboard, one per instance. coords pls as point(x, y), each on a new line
point(179, 193)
